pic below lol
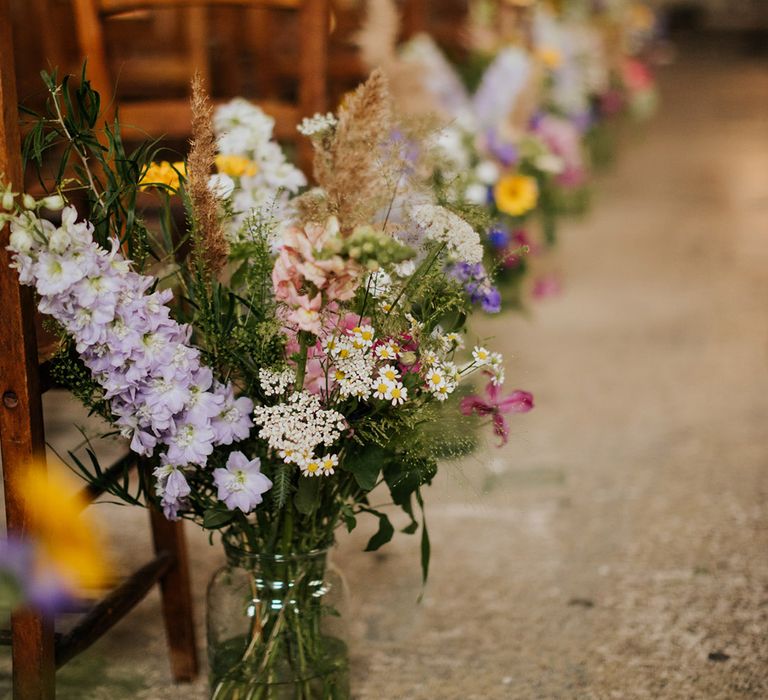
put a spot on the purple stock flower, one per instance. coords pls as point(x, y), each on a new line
point(159, 393)
point(172, 487)
point(506, 153)
point(477, 285)
point(241, 485)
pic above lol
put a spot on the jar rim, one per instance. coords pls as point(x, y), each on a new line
point(235, 551)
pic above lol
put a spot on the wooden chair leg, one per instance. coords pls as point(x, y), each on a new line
point(176, 593)
point(34, 664)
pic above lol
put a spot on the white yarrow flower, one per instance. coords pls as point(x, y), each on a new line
point(440, 224)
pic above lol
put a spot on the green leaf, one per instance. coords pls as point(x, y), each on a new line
point(383, 534)
point(366, 465)
point(348, 515)
point(426, 549)
point(281, 488)
point(215, 518)
point(308, 495)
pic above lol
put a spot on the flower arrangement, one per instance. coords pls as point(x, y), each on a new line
point(270, 373)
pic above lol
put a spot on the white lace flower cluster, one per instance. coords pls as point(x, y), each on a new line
point(245, 132)
point(317, 124)
point(440, 224)
point(295, 429)
point(274, 382)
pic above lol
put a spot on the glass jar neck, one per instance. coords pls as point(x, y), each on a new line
point(240, 554)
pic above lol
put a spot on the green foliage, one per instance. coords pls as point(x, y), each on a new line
point(372, 248)
point(383, 534)
point(91, 160)
point(68, 371)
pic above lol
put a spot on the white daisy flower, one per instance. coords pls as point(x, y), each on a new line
point(481, 355)
point(390, 373)
point(397, 394)
point(364, 335)
point(312, 467)
point(329, 463)
point(435, 378)
point(428, 357)
point(386, 352)
point(381, 389)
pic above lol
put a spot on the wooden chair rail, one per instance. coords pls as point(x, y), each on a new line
point(112, 608)
point(115, 7)
point(108, 611)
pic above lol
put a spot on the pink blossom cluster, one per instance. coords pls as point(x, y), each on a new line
point(562, 137)
point(307, 279)
point(158, 391)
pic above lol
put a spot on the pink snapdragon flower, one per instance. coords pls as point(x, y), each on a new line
point(306, 278)
point(496, 406)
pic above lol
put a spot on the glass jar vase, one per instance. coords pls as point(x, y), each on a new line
point(268, 631)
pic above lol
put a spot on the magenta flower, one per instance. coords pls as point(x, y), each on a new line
point(496, 406)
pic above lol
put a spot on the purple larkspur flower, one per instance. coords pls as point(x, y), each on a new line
point(159, 393)
point(241, 484)
point(234, 421)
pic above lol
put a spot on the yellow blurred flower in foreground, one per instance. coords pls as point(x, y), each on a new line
point(66, 540)
point(163, 173)
point(236, 166)
point(550, 57)
point(516, 194)
point(641, 17)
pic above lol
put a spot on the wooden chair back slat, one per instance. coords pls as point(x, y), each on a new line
point(172, 118)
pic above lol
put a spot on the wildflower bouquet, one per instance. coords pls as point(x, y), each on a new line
point(271, 372)
point(499, 153)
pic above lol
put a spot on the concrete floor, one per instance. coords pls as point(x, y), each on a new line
point(620, 539)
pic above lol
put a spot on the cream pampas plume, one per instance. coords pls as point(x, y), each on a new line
point(209, 244)
point(352, 166)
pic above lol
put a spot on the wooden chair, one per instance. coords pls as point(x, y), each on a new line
point(172, 117)
point(36, 647)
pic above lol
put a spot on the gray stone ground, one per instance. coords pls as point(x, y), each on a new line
point(621, 537)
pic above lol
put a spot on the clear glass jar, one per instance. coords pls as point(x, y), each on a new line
point(268, 631)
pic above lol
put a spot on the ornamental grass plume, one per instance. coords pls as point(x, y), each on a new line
point(209, 244)
point(348, 166)
point(377, 40)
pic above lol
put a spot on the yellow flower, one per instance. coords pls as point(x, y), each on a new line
point(550, 57)
point(641, 17)
point(516, 194)
point(66, 539)
point(163, 173)
point(236, 166)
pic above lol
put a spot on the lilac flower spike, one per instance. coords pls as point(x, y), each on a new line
point(241, 485)
point(158, 391)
